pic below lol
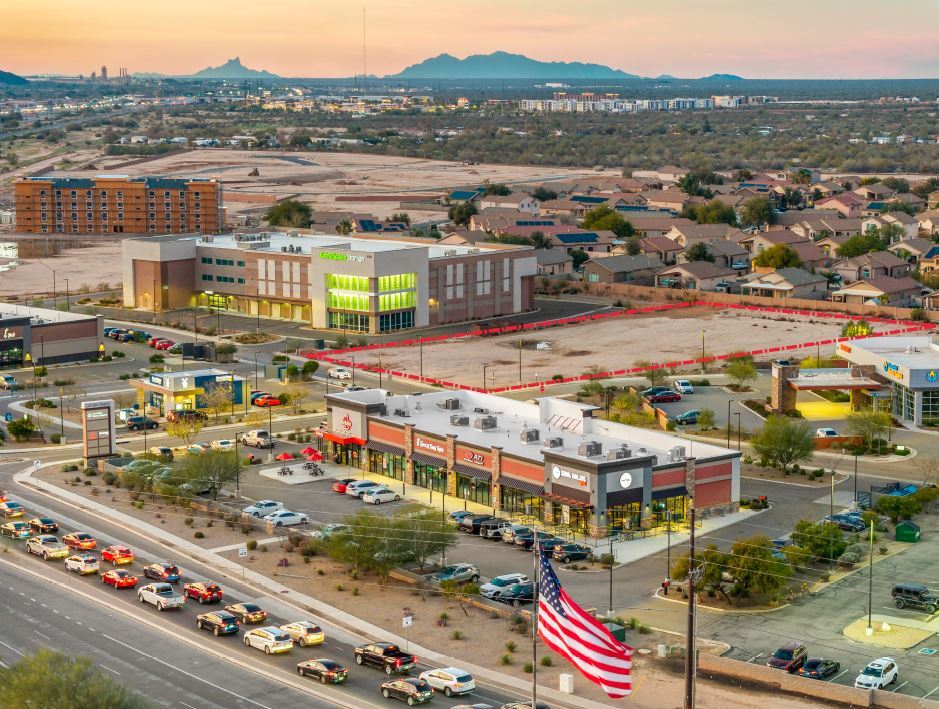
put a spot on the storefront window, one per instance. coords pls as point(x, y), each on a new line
point(904, 402)
point(391, 466)
point(348, 321)
point(430, 476)
point(348, 454)
point(396, 321)
point(474, 490)
point(341, 281)
point(399, 281)
point(11, 357)
point(521, 502)
point(931, 407)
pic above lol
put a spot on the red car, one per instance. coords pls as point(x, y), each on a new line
point(80, 540)
point(664, 396)
point(118, 554)
point(340, 485)
point(203, 591)
point(152, 341)
point(267, 400)
point(164, 345)
point(119, 578)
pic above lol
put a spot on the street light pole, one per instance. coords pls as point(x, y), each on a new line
point(870, 582)
point(738, 430)
point(690, 659)
point(855, 478)
point(520, 367)
point(420, 342)
point(379, 371)
point(68, 304)
point(352, 357)
point(729, 402)
point(257, 299)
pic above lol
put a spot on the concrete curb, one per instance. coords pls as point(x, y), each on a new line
point(340, 617)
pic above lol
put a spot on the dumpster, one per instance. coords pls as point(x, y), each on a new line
point(907, 531)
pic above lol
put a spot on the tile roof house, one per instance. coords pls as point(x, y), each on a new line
point(598, 241)
point(554, 262)
point(812, 256)
point(872, 265)
point(671, 173)
point(697, 275)
point(656, 226)
point(929, 222)
point(910, 225)
point(848, 204)
point(660, 247)
point(463, 195)
point(876, 191)
point(729, 255)
point(760, 241)
point(831, 244)
point(565, 207)
point(639, 269)
point(817, 227)
point(517, 200)
point(688, 234)
point(786, 283)
point(666, 199)
point(912, 249)
point(908, 198)
point(883, 290)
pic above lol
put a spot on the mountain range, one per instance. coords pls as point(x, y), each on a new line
point(233, 69)
point(11, 79)
point(503, 65)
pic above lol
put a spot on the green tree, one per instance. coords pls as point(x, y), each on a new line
point(898, 507)
point(873, 240)
point(402, 217)
point(783, 442)
point(712, 212)
point(21, 429)
point(754, 568)
point(857, 328)
point(592, 386)
point(823, 540)
point(924, 189)
point(498, 189)
point(299, 140)
point(699, 252)
point(543, 194)
point(712, 562)
point(706, 419)
point(870, 425)
point(211, 470)
point(580, 257)
point(51, 679)
point(218, 400)
point(289, 213)
point(741, 370)
point(344, 227)
point(460, 214)
point(693, 184)
point(185, 429)
point(653, 374)
point(756, 211)
point(309, 369)
point(605, 218)
point(778, 256)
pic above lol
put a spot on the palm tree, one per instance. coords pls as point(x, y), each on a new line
point(344, 227)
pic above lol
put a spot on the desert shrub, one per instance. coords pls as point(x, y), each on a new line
point(251, 544)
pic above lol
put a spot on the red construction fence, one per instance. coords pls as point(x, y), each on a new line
point(334, 356)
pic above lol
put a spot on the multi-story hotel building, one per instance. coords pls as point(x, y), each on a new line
point(118, 204)
point(366, 284)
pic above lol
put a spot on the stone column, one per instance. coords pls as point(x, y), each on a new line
point(782, 395)
point(408, 449)
point(451, 458)
point(690, 481)
point(495, 467)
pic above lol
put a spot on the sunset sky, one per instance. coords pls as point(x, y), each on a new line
point(797, 39)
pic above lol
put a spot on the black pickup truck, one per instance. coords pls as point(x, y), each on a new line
point(385, 655)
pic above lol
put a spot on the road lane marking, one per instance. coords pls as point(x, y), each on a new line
point(43, 636)
point(10, 647)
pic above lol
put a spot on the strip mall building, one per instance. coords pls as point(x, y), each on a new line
point(553, 460)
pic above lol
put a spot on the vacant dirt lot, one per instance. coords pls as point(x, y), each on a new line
point(87, 266)
point(614, 343)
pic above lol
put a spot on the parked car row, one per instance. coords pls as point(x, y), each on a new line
point(366, 490)
point(522, 537)
point(794, 658)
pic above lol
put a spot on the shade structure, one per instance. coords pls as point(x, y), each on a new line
point(284, 456)
point(309, 450)
point(315, 457)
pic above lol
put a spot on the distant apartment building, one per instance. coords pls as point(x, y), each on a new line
point(118, 204)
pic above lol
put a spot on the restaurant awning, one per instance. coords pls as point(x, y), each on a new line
point(569, 501)
point(385, 448)
point(428, 459)
point(523, 485)
point(472, 472)
point(343, 440)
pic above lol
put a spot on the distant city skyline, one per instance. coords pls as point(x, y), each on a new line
point(298, 38)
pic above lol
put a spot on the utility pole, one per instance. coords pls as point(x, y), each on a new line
point(690, 659)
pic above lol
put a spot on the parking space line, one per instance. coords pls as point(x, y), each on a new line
point(934, 689)
point(897, 689)
point(105, 667)
point(843, 672)
point(10, 647)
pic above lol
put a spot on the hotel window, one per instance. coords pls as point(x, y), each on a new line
point(44, 217)
point(74, 216)
point(104, 194)
point(483, 277)
point(206, 259)
point(152, 216)
point(152, 194)
point(120, 205)
point(196, 196)
point(166, 205)
point(167, 216)
point(58, 216)
point(104, 217)
point(241, 264)
point(44, 229)
point(166, 194)
point(88, 205)
point(206, 277)
point(152, 205)
point(120, 216)
point(58, 193)
point(88, 194)
point(182, 194)
point(506, 277)
point(73, 194)
point(241, 281)
point(42, 193)
point(120, 194)
point(74, 227)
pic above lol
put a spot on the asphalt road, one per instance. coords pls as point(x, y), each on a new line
point(361, 690)
point(170, 673)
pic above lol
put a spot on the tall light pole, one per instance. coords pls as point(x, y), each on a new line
point(703, 366)
point(54, 296)
point(729, 402)
point(739, 429)
point(379, 371)
point(690, 659)
point(68, 304)
point(870, 582)
point(420, 343)
point(485, 367)
point(352, 357)
point(520, 368)
point(257, 300)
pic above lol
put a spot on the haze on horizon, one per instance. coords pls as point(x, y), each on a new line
point(314, 38)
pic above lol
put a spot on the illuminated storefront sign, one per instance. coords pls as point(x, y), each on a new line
point(559, 473)
point(429, 446)
point(340, 256)
point(892, 370)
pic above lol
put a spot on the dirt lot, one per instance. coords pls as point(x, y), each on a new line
point(611, 344)
point(318, 178)
point(89, 266)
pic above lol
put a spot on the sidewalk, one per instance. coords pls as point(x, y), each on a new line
point(300, 600)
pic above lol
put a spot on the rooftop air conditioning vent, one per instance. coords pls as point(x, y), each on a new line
point(479, 410)
point(589, 449)
point(555, 442)
point(459, 420)
point(675, 454)
point(450, 404)
point(401, 412)
point(486, 423)
point(264, 235)
point(284, 249)
point(293, 233)
point(529, 435)
point(619, 453)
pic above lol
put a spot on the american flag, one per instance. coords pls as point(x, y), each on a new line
point(569, 631)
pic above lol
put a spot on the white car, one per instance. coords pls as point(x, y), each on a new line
point(286, 518)
point(82, 564)
point(161, 595)
point(450, 680)
point(878, 674)
point(377, 495)
point(224, 444)
point(270, 639)
point(360, 487)
point(683, 386)
point(339, 373)
point(826, 433)
point(263, 508)
point(494, 587)
point(543, 345)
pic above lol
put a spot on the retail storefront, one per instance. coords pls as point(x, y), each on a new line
point(38, 336)
point(595, 479)
point(181, 391)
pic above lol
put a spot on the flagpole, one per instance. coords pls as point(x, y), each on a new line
point(534, 625)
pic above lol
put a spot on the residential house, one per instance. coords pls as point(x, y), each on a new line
point(697, 275)
point(564, 208)
point(786, 283)
point(671, 173)
point(639, 269)
point(828, 189)
point(579, 239)
point(877, 191)
point(873, 265)
point(661, 247)
point(794, 216)
point(932, 200)
point(729, 254)
point(672, 199)
point(688, 234)
point(909, 225)
point(883, 290)
point(816, 227)
point(812, 256)
point(912, 250)
point(831, 244)
point(656, 226)
point(929, 222)
point(929, 261)
point(760, 241)
point(554, 262)
point(462, 196)
point(848, 204)
point(909, 199)
point(517, 200)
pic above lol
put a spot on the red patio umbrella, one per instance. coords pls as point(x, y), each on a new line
point(315, 457)
point(284, 456)
point(309, 450)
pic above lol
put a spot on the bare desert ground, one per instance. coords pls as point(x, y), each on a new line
point(611, 344)
point(88, 266)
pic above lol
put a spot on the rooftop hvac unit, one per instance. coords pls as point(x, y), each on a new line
point(459, 420)
point(618, 453)
point(529, 435)
point(555, 442)
point(486, 423)
point(450, 252)
point(401, 412)
point(588, 449)
point(293, 233)
point(675, 454)
point(283, 249)
point(479, 410)
point(450, 404)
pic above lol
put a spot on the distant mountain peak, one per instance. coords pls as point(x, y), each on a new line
point(11, 79)
point(723, 77)
point(233, 69)
point(505, 65)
